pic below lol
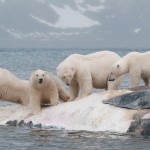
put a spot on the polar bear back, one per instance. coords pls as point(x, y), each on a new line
point(97, 64)
point(12, 88)
point(138, 61)
point(138, 58)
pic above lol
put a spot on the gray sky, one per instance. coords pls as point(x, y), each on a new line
point(75, 23)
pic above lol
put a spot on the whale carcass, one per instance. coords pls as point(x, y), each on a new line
point(89, 114)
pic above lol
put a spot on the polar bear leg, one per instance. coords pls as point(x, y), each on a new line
point(63, 94)
point(134, 81)
point(146, 81)
point(114, 85)
point(85, 88)
point(35, 104)
point(54, 98)
point(74, 90)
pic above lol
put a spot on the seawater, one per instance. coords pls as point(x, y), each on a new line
point(22, 62)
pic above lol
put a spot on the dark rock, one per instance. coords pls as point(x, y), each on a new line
point(38, 125)
point(146, 127)
point(30, 124)
point(21, 123)
point(12, 123)
point(134, 126)
point(134, 100)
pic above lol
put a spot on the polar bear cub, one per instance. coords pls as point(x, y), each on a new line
point(136, 64)
point(45, 88)
point(83, 72)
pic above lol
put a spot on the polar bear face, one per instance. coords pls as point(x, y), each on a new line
point(39, 78)
point(66, 73)
point(118, 69)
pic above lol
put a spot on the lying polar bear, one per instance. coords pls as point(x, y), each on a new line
point(83, 72)
point(45, 88)
point(136, 64)
point(13, 89)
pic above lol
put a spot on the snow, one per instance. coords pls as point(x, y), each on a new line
point(68, 18)
point(90, 8)
point(39, 35)
point(137, 30)
point(85, 114)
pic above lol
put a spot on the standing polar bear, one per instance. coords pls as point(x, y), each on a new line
point(136, 64)
point(83, 72)
point(45, 88)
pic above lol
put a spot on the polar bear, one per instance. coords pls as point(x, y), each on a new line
point(13, 89)
point(83, 72)
point(136, 64)
point(45, 88)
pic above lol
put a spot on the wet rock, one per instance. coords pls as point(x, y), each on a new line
point(21, 123)
point(30, 124)
point(12, 123)
point(134, 100)
point(38, 125)
point(136, 125)
point(146, 127)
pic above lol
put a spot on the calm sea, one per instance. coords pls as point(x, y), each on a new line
point(22, 62)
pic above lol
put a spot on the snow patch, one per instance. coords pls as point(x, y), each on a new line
point(137, 30)
point(69, 18)
point(90, 8)
point(39, 35)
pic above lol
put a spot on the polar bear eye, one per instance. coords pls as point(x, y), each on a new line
point(118, 66)
point(43, 75)
point(37, 75)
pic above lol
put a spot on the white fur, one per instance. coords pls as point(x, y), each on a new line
point(83, 72)
point(13, 89)
point(136, 64)
point(45, 88)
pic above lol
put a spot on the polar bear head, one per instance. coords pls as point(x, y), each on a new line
point(66, 72)
point(118, 69)
point(39, 78)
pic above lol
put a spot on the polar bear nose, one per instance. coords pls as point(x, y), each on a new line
point(40, 80)
point(111, 78)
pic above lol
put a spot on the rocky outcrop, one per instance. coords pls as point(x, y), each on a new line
point(138, 99)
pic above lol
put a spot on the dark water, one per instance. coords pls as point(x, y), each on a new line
point(30, 139)
point(22, 62)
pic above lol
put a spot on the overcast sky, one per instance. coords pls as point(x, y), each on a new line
point(75, 23)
